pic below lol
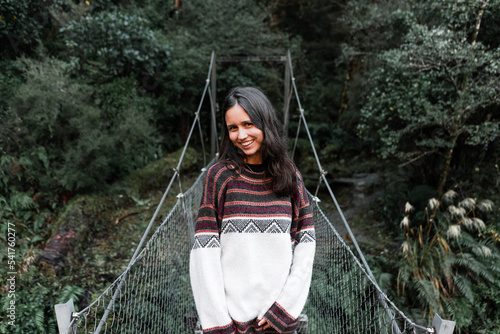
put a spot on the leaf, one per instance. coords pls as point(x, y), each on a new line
point(464, 286)
point(39, 321)
point(36, 238)
point(70, 292)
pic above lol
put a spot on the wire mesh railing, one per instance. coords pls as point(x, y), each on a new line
point(156, 296)
point(343, 298)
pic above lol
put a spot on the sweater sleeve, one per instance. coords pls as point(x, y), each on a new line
point(284, 312)
point(205, 262)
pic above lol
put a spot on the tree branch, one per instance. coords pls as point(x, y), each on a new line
point(129, 214)
point(416, 158)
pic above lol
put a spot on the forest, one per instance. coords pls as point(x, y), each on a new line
point(97, 97)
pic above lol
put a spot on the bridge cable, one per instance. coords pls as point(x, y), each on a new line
point(176, 175)
point(383, 297)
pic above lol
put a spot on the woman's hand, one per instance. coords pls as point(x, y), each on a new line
point(263, 323)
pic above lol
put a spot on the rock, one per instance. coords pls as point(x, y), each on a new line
point(58, 247)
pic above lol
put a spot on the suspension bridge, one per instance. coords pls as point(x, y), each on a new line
point(153, 294)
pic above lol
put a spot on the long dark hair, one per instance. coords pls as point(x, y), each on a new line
point(277, 165)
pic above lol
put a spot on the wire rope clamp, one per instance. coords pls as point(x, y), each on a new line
point(180, 195)
point(316, 199)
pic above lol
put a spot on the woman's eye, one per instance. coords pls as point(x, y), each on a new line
point(248, 125)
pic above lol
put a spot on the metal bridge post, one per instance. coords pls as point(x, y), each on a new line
point(441, 326)
point(213, 88)
point(64, 315)
point(286, 96)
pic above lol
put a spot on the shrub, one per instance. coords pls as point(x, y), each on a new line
point(115, 44)
point(59, 138)
point(23, 22)
point(447, 251)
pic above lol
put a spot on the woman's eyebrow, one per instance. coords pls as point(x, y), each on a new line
point(242, 122)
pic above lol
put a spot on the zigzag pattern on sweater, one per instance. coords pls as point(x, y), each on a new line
point(206, 241)
point(250, 225)
point(306, 236)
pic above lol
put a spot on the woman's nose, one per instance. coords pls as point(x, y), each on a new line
point(242, 134)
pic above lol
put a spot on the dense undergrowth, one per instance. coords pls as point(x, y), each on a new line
point(102, 231)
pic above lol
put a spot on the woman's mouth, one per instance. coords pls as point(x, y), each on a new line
point(247, 143)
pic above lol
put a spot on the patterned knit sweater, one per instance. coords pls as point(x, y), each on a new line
point(252, 255)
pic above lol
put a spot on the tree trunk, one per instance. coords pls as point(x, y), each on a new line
point(447, 167)
point(449, 154)
point(478, 21)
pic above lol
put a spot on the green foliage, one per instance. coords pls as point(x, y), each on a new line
point(435, 91)
point(376, 26)
point(10, 80)
point(100, 251)
point(324, 82)
point(116, 44)
point(67, 141)
point(23, 22)
point(434, 88)
point(70, 292)
point(444, 255)
point(487, 309)
point(36, 294)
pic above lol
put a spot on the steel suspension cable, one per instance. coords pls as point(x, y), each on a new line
point(302, 117)
point(214, 117)
point(160, 204)
point(383, 297)
point(202, 143)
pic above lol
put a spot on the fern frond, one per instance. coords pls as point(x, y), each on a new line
point(467, 241)
point(447, 264)
point(70, 292)
point(427, 294)
point(39, 321)
point(471, 264)
point(494, 264)
point(464, 286)
point(21, 201)
point(482, 251)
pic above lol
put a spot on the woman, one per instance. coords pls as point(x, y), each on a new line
point(252, 258)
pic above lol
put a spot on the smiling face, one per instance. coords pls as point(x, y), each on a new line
point(244, 134)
